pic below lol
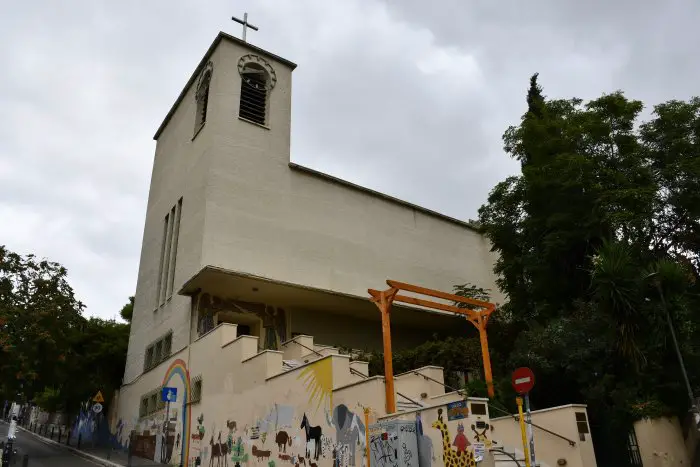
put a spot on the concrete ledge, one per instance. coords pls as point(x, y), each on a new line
point(77, 452)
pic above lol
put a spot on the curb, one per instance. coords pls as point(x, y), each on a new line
point(78, 452)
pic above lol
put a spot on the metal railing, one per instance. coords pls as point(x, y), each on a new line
point(505, 412)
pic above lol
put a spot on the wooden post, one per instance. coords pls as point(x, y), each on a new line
point(476, 312)
point(485, 355)
point(383, 300)
point(385, 308)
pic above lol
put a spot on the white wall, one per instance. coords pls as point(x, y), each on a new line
point(661, 442)
point(252, 390)
point(180, 169)
point(549, 449)
point(269, 220)
point(245, 209)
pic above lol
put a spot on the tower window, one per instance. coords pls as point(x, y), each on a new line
point(254, 90)
point(202, 98)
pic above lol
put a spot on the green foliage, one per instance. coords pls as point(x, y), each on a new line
point(49, 352)
point(454, 355)
point(127, 310)
point(49, 400)
point(597, 238)
point(470, 291)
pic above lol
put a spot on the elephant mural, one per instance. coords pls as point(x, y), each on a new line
point(349, 429)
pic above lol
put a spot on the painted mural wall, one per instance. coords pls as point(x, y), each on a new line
point(253, 413)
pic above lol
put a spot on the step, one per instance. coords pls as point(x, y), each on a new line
point(415, 385)
point(326, 350)
point(299, 348)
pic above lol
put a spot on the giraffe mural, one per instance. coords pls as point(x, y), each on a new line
point(452, 458)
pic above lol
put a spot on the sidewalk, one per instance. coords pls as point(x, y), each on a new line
point(102, 456)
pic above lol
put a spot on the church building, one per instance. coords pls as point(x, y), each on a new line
point(253, 277)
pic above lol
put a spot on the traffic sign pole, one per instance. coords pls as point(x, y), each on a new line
point(164, 447)
point(530, 433)
point(523, 381)
point(519, 401)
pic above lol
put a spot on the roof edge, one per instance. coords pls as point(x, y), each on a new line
point(189, 288)
point(384, 196)
point(219, 37)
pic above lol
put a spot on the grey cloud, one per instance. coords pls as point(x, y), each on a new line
point(396, 96)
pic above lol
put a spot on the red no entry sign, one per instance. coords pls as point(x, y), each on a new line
point(523, 380)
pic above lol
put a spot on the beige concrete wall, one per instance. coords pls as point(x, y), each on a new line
point(251, 389)
point(245, 210)
point(265, 219)
point(549, 448)
point(661, 443)
point(180, 170)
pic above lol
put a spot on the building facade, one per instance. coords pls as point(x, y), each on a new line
point(254, 273)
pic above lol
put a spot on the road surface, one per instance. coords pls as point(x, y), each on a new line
point(42, 454)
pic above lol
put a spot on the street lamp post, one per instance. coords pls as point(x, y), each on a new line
point(675, 343)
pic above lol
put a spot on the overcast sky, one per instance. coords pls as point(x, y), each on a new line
point(399, 96)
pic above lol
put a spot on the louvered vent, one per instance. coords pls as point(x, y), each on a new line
point(253, 96)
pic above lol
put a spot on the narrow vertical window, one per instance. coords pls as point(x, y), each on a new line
point(159, 285)
point(167, 345)
point(196, 389)
point(173, 248)
point(148, 359)
point(202, 97)
point(158, 353)
point(143, 408)
point(166, 256)
point(254, 87)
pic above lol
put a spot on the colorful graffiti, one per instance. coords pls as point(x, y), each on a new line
point(451, 457)
point(179, 369)
point(480, 435)
point(238, 452)
point(196, 438)
point(424, 444)
point(382, 450)
point(318, 381)
point(90, 426)
point(349, 430)
point(313, 433)
point(461, 442)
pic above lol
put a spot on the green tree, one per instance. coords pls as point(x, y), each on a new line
point(49, 352)
point(599, 207)
point(38, 317)
point(97, 359)
point(127, 310)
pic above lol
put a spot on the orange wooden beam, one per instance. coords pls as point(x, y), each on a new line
point(434, 305)
point(479, 318)
point(383, 300)
point(438, 294)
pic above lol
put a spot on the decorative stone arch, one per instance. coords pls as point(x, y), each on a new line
point(202, 96)
point(258, 79)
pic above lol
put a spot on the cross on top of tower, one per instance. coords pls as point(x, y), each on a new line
point(245, 24)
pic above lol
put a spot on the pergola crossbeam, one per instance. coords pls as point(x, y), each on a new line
point(439, 294)
point(479, 318)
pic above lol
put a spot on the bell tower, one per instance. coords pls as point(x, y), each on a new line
point(221, 152)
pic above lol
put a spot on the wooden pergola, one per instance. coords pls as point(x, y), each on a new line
point(479, 317)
